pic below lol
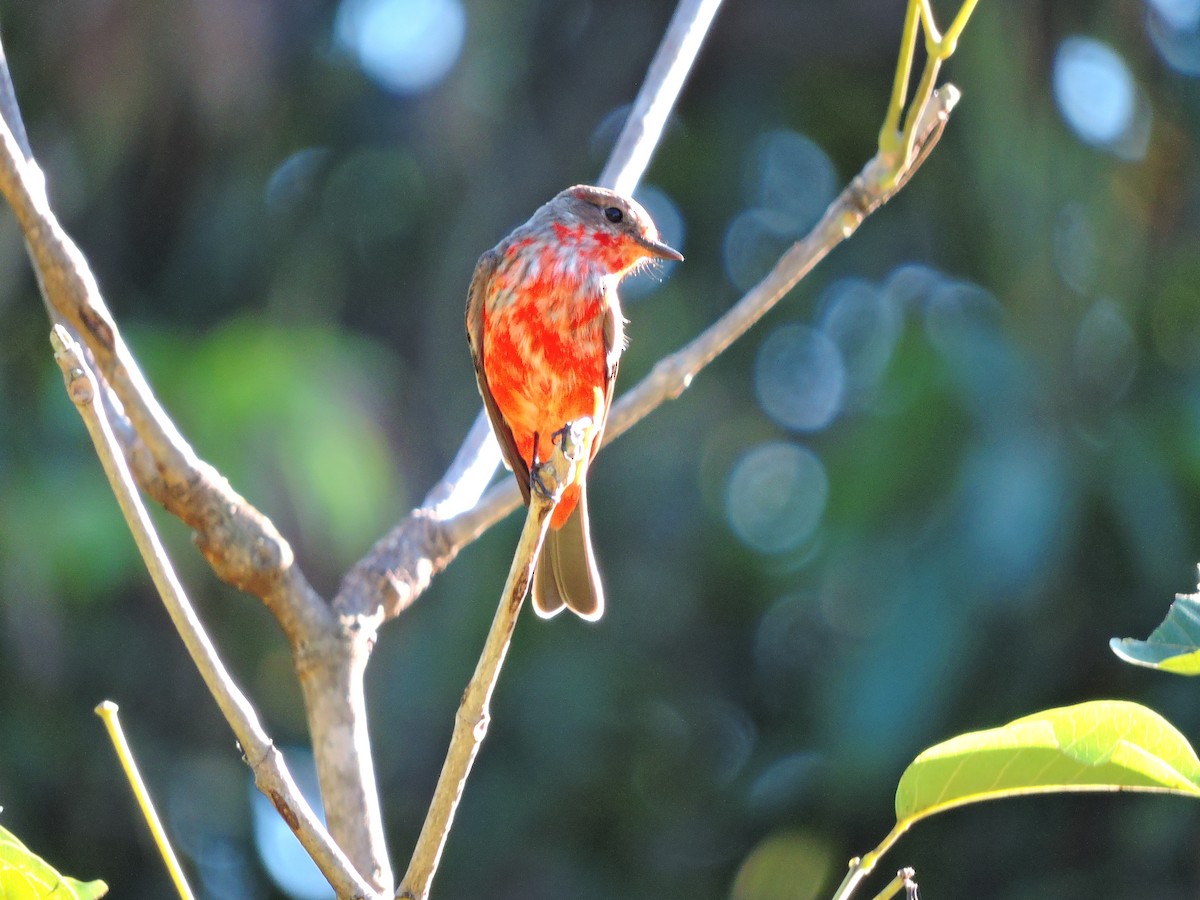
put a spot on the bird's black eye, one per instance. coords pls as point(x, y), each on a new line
point(613, 215)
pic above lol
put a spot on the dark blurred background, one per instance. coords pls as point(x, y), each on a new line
point(917, 500)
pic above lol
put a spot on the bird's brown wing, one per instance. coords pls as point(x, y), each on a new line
point(485, 270)
point(614, 344)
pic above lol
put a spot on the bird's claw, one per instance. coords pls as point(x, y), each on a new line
point(572, 436)
point(539, 484)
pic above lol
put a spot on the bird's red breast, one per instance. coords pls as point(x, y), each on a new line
point(544, 353)
point(546, 333)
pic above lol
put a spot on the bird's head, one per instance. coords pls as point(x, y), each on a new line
point(604, 229)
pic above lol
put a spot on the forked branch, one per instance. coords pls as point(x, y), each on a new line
point(270, 771)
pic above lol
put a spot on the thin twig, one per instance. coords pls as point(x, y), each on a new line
point(664, 80)
point(902, 882)
point(107, 711)
point(862, 866)
point(471, 721)
point(270, 771)
point(9, 110)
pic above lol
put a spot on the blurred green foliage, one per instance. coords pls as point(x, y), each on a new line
point(287, 245)
point(26, 876)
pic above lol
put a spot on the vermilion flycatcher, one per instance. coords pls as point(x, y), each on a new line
point(546, 333)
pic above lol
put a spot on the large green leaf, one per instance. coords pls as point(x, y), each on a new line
point(26, 876)
point(1105, 745)
point(1173, 646)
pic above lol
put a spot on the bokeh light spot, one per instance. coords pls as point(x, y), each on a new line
point(788, 865)
point(1180, 15)
point(864, 324)
point(784, 783)
point(407, 46)
point(1174, 29)
point(785, 643)
point(799, 378)
point(1076, 252)
point(371, 196)
point(1098, 97)
point(910, 286)
point(776, 496)
point(754, 240)
point(959, 315)
point(1105, 352)
point(1014, 500)
point(295, 179)
point(607, 130)
point(793, 176)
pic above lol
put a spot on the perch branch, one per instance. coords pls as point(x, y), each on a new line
point(471, 721)
point(270, 771)
point(399, 567)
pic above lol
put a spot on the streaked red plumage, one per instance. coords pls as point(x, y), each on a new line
point(546, 333)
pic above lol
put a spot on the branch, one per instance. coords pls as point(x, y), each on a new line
point(270, 771)
point(240, 543)
point(471, 721)
point(664, 80)
point(401, 565)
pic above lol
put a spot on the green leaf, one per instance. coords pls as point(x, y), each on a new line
point(87, 890)
point(26, 876)
point(1174, 646)
point(1104, 745)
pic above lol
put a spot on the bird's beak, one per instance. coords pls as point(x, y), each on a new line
point(658, 248)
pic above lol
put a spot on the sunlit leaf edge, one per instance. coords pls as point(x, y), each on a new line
point(1176, 660)
point(1174, 646)
point(87, 890)
point(1122, 765)
point(43, 879)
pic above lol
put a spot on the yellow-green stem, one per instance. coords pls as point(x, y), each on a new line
point(107, 711)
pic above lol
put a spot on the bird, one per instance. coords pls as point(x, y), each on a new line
point(546, 333)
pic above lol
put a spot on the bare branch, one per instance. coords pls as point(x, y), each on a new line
point(664, 80)
point(241, 544)
point(9, 110)
point(471, 721)
point(270, 771)
point(332, 682)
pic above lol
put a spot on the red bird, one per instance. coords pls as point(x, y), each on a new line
point(546, 334)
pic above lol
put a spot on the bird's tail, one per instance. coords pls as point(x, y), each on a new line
point(566, 574)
